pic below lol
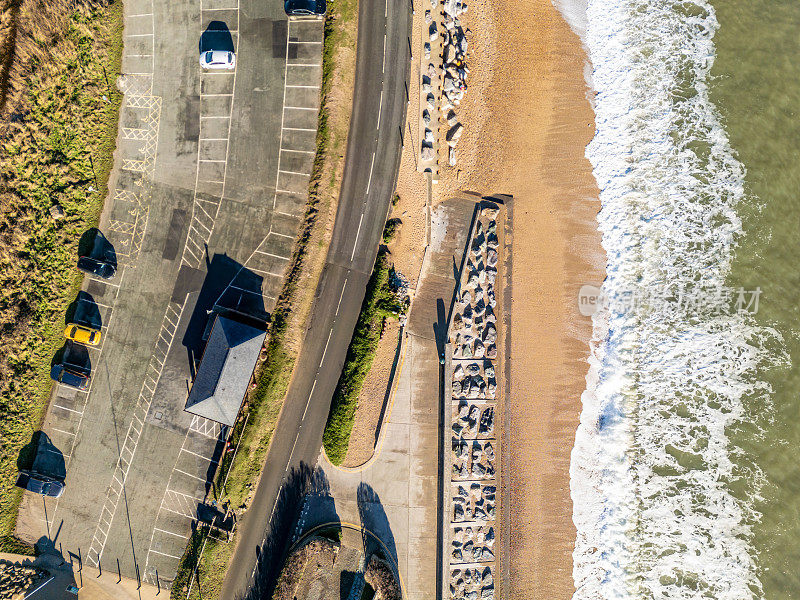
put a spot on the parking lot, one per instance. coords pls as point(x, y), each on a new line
point(205, 203)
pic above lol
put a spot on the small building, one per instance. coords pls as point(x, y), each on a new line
point(225, 371)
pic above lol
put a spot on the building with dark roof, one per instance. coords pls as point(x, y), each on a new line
point(225, 371)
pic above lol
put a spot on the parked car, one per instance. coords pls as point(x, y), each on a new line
point(40, 484)
point(305, 8)
point(218, 59)
point(67, 376)
point(94, 266)
point(82, 334)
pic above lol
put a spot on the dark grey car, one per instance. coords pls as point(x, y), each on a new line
point(305, 8)
point(40, 484)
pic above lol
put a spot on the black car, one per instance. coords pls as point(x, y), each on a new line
point(93, 266)
point(40, 484)
point(73, 378)
point(300, 8)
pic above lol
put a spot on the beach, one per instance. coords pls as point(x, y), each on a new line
point(528, 122)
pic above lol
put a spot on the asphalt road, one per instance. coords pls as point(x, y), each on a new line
point(372, 163)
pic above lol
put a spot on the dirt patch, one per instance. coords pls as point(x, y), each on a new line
point(373, 401)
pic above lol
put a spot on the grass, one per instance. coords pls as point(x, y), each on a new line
point(380, 303)
point(263, 405)
point(58, 134)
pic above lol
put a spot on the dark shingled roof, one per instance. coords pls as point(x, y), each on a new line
point(225, 370)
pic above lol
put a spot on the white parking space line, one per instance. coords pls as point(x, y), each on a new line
point(185, 537)
point(227, 8)
point(139, 15)
point(303, 64)
point(190, 475)
point(204, 95)
point(211, 160)
point(77, 412)
point(272, 255)
point(302, 42)
point(309, 87)
point(62, 431)
point(294, 172)
point(213, 139)
point(299, 151)
point(300, 108)
point(211, 460)
point(298, 129)
point(165, 554)
point(214, 117)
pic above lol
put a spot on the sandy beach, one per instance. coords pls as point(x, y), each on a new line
point(527, 122)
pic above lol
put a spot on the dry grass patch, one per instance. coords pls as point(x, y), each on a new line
point(58, 134)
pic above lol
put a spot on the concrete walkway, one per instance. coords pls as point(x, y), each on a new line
point(396, 495)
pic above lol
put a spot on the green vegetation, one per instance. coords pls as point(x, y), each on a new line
point(380, 303)
point(58, 134)
point(390, 230)
point(253, 432)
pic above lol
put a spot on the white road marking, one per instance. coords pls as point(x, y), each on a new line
point(355, 242)
point(372, 165)
point(380, 109)
point(185, 537)
point(383, 68)
point(165, 554)
point(299, 129)
point(308, 402)
point(325, 351)
point(272, 255)
point(294, 172)
point(211, 460)
point(301, 152)
point(340, 298)
point(313, 87)
point(78, 412)
point(300, 108)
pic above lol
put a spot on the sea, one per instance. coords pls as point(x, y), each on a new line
point(685, 474)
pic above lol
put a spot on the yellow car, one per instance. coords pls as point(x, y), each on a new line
point(82, 334)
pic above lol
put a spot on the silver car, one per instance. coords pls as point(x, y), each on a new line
point(218, 59)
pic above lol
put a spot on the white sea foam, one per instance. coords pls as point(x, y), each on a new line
point(663, 499)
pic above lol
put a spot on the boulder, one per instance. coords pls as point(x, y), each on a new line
point(454, 133)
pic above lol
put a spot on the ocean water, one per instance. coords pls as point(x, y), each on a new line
point(684, 475)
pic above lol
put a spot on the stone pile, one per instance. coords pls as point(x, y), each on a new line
point(454, 67)
point(15, 580)
point(473, 338)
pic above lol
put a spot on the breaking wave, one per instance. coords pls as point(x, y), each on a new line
point(663, 498)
